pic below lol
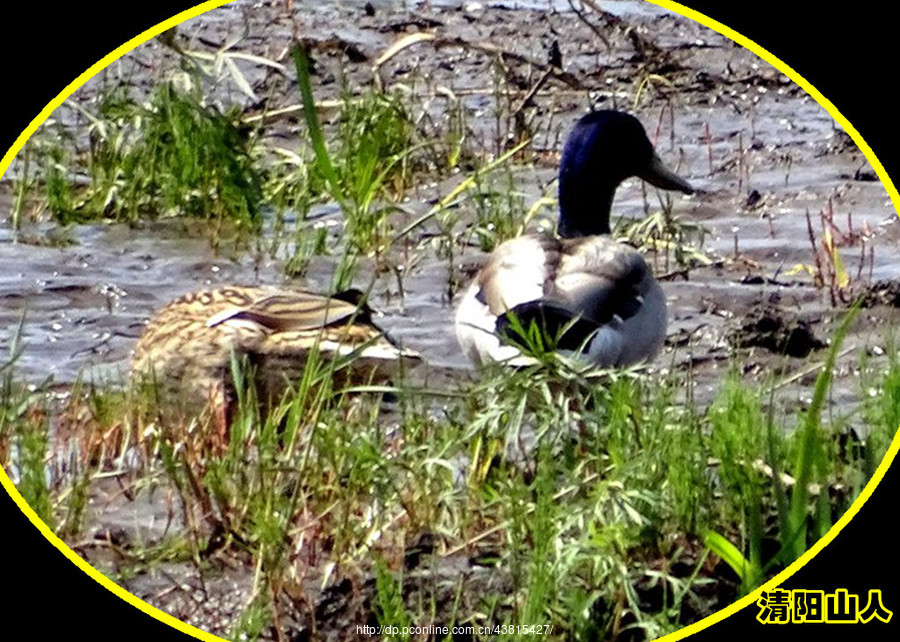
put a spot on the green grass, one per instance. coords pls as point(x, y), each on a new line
point(175, 155)
point(743, 440)
point(606, 504)
point(673, 243)
point(500, 211)
point(369, 160)
point(590, 500)
point(24, 432)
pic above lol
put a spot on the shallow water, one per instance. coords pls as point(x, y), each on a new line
point(85, 304)
point(731, 124)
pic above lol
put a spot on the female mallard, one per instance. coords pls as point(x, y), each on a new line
point(587, 294)
point(187, 347)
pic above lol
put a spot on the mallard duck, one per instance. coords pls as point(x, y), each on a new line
point(588, 294)
point(187, 347)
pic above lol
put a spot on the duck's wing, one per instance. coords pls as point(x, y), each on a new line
point(590, 290)
point(601, 280)
point(516, 272)
point(284, 322)
point(294, 311)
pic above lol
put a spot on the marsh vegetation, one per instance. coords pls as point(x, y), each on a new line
point(391, 156)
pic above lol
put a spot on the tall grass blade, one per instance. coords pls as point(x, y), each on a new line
point(810, 447)
point(323, 160)
point(729, 553)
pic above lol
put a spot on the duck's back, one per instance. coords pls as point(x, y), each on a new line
point(188, 345)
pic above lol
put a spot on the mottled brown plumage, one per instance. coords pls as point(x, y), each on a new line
point(186, 348)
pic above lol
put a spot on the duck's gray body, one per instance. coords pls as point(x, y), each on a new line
point(597, 296)
point(596, 278)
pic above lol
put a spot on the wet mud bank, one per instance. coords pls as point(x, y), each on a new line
point(788, 228)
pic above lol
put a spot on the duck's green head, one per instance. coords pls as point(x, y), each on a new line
point(605, 148)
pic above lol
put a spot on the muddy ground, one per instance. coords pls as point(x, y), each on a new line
point(763, 153)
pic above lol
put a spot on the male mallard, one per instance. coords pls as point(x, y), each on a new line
point(596, 296)
point(187, 347)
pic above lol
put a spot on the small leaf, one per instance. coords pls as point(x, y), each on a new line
point(729, 553)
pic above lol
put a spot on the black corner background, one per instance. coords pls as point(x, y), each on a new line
point(44, 47)
point(847, 55)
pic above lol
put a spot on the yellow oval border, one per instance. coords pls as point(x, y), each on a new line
point(674, 7)
point(788, 71)
point(63, 548)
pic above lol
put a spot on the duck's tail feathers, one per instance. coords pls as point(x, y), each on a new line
point(544, 325)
